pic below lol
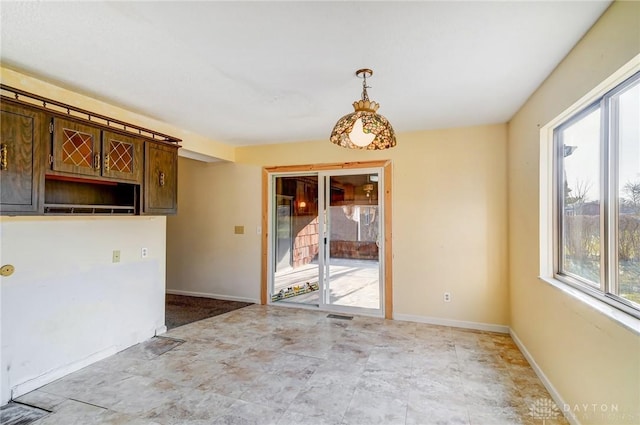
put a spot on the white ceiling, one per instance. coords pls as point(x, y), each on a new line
point(248, 73)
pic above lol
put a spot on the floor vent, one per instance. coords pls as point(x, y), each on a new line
point(339, 316)
point(159, 345)
point(20, 414)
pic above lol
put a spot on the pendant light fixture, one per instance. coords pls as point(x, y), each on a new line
point(364, 128)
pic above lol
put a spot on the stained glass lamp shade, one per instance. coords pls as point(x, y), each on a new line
point(364, 128)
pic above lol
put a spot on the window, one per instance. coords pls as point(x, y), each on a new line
point(596, 166)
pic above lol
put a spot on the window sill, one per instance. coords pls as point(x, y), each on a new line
point(620, 317)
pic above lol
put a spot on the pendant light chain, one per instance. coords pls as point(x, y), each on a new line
point(365, 95)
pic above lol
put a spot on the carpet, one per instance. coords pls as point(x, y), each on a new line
point(181, 310)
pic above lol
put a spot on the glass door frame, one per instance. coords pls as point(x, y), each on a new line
point(324, 172)
point(271, 238)
point(326, 304)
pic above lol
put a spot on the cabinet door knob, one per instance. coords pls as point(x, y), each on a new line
point(161, 179)
point(4, 154)
point(96, 161)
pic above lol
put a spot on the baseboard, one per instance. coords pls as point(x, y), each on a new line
point(216, 296)
point(48, 377)
point(453, 323)
point(545, 381)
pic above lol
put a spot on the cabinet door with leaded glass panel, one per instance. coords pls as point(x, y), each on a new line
point(76, 148)
point(122, 157)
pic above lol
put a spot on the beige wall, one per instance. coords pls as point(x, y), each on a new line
point(586, 356)
point(204, 256)
point(449, 221)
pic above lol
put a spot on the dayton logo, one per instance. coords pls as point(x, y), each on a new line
point(544, 408)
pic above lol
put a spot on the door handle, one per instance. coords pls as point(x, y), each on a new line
point(161, 179)
point(4, 156)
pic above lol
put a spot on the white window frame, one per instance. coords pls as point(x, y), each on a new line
point(628, 316)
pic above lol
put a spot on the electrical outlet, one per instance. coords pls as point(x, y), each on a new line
point(447, 297)
point(116, 256)
point(144, 252)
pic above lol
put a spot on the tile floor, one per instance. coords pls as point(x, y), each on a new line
point(276, 365)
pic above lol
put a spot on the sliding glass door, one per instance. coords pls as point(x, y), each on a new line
point(325, 240)
point(296, 240)
point(352, 260)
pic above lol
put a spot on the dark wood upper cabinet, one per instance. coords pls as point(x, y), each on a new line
point(56, 159)
point(76, 148)
point(21, 168)
point(122, 157)
point(161, 179)
point(85, 150)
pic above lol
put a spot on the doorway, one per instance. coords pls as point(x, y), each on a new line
point(326, 238)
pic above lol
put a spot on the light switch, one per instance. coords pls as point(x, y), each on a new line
point(239, 230)
point(116, 256)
